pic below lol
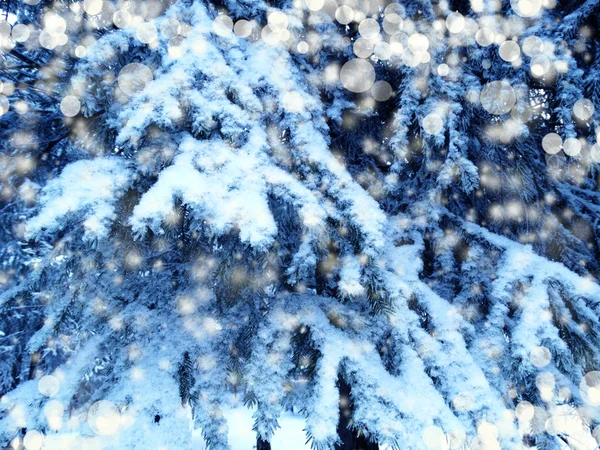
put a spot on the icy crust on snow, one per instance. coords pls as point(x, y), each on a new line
point(90, 187)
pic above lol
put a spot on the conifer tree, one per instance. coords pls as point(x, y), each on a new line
point(380, 215)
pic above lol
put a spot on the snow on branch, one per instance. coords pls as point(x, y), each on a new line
point(90, 187)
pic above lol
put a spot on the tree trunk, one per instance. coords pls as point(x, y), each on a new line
point(262, 445)
point(350, 441)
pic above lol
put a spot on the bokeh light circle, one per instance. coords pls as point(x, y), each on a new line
point(70, 106)
point(382, 51)
point(498, 97)
point(572, 147)
point(104, 418)
point(392, 24)
point(33, 440)
point(122, 18)
point(357, 75)
point(134, 77)
point(363, 48)
point(589, 387)
point(418, 43)
point(243, 28)
point(532, 46)
point(92, 7)
point(540, 356)
point(222, 25)
point(433, 123)
point(524, 411)
point(278, 21)
point(344, 14)
point(539, 65)
point(526, 8)
point(455, 22)
point(303, 47)
point(368, 28)
point(583, 109)
point(170, 28)
point(48, 385)
point(552, 144)
point(20, 32)
point(4, 104)
point(382, 91)
point(315, 5)
point(485, 37)
point(509, 51)
point(433, 437)
point(146, 32)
